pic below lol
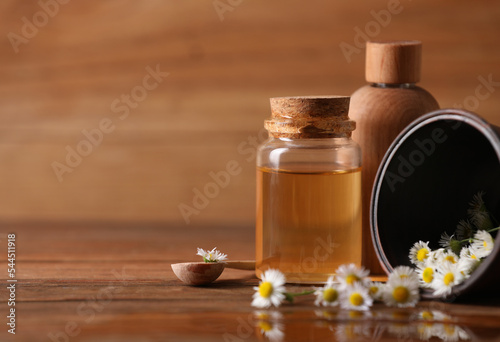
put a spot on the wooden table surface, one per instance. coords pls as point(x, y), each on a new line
point(113, 282)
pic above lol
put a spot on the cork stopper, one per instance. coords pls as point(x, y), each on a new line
point(309, 117)
point(393, 61)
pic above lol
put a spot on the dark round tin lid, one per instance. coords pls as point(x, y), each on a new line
point(425, 183)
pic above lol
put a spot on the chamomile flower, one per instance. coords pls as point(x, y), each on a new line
point(419, 252)
point(468, 261)
point(450, 243)
point(403, 272)
point(447, 276)
point(448, 257)
point(483, 244)
point(348, 275)
point(356, 297)
point(401, 293)
point(211, 256)
point(435, 257)
point(271, 290)
point(327, 295)
point(375, 289)
point(426, 275)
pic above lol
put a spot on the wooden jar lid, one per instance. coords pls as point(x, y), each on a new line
point(310, 117)
point(393, 61)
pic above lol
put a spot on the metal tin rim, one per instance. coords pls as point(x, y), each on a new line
point(442, 114)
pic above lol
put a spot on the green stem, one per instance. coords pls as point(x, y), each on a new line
point(209, 260)
point(290, 296)
point(493, 229)
point(489, 231)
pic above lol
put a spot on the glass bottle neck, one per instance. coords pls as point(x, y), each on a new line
point(316, 141)
point(394, 85)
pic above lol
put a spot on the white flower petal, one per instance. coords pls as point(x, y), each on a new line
point(409, 297)
point(402, 272)
point(419, 247)
point(350, 274)
point(359, 289)
point(277, 280)
point(447, 276)
point(483, 244)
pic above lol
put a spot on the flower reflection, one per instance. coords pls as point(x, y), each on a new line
point(433, 315)
point(342, 315)
point(437, 324)
point(272, 330)
point(376, 325)
point(443, 331)
point(269, 325)
point(403, 331)
point(353, 331)
point(327, 314)
point(404, 326)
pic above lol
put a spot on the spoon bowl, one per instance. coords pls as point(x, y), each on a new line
point(203, 273)
point(198, 273)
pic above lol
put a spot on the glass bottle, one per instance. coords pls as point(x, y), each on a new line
point(308, 189)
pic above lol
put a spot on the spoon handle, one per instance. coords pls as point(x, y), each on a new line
point(241, 265)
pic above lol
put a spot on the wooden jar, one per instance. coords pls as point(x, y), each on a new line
point(382, 110)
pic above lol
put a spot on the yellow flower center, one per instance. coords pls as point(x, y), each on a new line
point(473, 257)
point(356, 299)
point(485, 244)
point(329, 314)
point(373, 290)
point(350, 333)
point(422, 254)
point(265, 289)
point(449, 329)
point(330, 295)
point(401, 294)
point(355, 314)
point(424, 328)
point(262, 316)
point(428, 275)
point(427, 315)
point(448, 278)
point(265, 326)
point(450, 258)
point(351, 279)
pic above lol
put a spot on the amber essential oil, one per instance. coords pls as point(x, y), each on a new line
point(308, 224)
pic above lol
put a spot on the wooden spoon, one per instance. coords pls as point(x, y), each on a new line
point(202, 273)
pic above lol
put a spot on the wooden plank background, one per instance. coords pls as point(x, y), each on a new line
point(206, 112)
